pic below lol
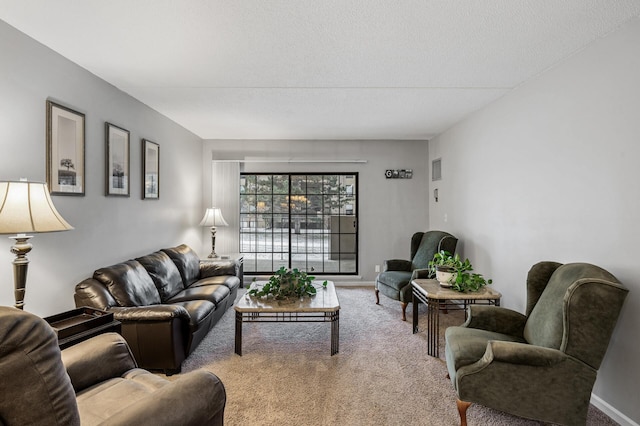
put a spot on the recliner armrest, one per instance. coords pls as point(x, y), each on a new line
point(496, 319)
point(97, 359)
point(149, 313)
point(396, 265)
point(197, 398)
point(420, 274)
point(522, 353)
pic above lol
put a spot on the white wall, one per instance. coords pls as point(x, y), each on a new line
point(107, 229)
point(550, 172)
point(391, 210)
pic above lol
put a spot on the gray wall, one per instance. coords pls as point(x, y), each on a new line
point(550, 172)
point(107, 229)
point(391, 210)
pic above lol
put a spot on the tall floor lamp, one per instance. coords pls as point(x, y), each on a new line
point(213, 217)
point(26, 207)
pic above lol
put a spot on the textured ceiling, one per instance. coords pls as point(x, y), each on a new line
point(316, 69)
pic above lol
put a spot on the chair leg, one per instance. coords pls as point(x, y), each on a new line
point(404, 310)
point(377, 297)
point(462, 410)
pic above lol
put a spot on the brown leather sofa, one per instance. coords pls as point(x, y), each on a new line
point(95, 382)
point(167, 302)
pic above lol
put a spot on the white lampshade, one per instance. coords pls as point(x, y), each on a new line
point(27, 207)
point(213, 217)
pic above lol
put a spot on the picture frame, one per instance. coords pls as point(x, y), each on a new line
point(150, 170)
point(65, 166)
point(117, 143)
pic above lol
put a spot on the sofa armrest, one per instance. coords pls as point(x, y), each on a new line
point(196, 398)
point(97, 359)
point(149, 313)
point(396, 265)
point(212, 269)
point(92, 293)
point(496, 319)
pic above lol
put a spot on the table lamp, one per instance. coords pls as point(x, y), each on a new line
point(26, 207)
point(213, 217)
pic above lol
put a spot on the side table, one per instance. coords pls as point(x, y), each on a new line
point(235, 257)
point(80, 324)
point(437, 297)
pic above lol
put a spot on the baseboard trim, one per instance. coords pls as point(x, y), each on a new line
point(338, 280)
point(611, 411)
point(353, 283)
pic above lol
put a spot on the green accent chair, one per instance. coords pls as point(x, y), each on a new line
point(395, 279)
point(541, 365)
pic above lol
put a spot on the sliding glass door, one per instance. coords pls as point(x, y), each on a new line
point(304, 221)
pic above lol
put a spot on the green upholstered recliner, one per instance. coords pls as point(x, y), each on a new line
point(395, 279)
point(541, 365)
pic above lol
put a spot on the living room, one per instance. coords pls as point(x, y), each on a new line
point(545, 172)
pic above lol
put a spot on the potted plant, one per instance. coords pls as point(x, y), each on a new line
point(286, 284)
point(451, 271)
point(444, 267)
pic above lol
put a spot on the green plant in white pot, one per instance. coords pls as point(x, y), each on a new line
point(451, 271)
point(444, 267)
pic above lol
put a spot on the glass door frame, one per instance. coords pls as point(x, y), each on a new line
point(294, 217)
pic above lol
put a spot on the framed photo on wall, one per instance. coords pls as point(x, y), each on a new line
point(150, 170)
point(117, 164)
point(65, 150)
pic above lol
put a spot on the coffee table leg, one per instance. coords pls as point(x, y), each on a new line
point(239, 333)
point(335, 332)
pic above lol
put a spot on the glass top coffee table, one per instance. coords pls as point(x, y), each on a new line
point(323, 307)
point(437, 297)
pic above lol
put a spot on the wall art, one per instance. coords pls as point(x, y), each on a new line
point(150, 170)
point(117, 161)
point(65, 150)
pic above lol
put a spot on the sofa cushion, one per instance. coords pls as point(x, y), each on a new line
point(200, 313)
point(230, 281)
point(96, 404)
point(129, 284)
point(395, 279)
point(217, 294)
point(187, 262)
point(164, 273)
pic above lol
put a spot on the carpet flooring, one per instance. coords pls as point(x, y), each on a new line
point(381, 376)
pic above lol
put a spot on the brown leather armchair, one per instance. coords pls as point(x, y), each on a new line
point(94, 382)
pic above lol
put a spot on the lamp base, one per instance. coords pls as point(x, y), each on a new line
point(213, 254)
point(20, 248)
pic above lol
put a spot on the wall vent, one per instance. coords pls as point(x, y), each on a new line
point(436, 169)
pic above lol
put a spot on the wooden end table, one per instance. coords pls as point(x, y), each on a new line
point(80, 324)
point(436, 298)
